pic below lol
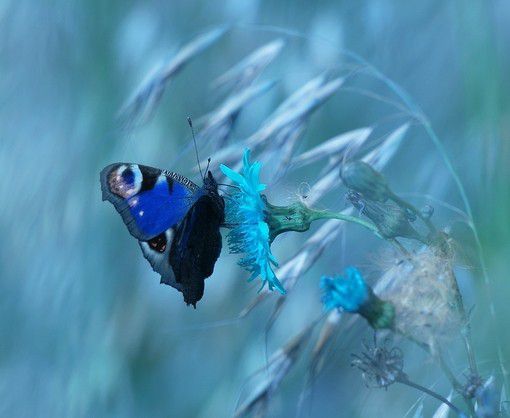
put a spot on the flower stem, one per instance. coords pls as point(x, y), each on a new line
point(466, 324)
point(298, 217)
point(325, 214)
point(405, 381)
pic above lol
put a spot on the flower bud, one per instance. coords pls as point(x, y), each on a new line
point(351, 293)
point(391, 220)
point(362, 178)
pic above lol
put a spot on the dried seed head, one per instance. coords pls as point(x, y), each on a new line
point(381, 365)
point(423, 292)
point(474, 384)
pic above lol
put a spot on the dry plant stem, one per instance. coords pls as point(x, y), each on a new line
point(414, 210)
point(400, 247)
point(439, 145)
point(406, 381)
point(457, 386)
point(466, 327)
point(438, 356)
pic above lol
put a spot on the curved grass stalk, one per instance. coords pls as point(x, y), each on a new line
point(415, 111)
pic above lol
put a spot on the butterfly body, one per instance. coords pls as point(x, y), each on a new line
point(176, 222)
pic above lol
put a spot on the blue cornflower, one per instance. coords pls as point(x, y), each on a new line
point(349, 292)
point(250, 234)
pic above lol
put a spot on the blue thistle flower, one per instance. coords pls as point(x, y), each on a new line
point(349, 292)
point(352, 294)
point(250, 234)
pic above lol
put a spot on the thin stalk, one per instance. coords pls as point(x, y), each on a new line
point(298, 217)
point(416, 112)
point(453, 380)
point(400, 247)
point(438, 356)
point(324, 214)
point(414, 210)
point(466, 327)
point(481, 258)
point(405, 381)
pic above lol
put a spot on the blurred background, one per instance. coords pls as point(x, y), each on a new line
point(86, 328)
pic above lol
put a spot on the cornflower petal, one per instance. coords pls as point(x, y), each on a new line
point(349, 292)
point(250, 235)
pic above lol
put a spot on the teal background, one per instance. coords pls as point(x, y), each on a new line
point(85, 327)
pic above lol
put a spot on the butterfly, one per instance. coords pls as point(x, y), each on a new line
point(176, 222)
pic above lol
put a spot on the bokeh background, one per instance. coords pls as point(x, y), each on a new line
point(86, 328)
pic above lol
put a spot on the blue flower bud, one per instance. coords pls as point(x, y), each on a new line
point(348, 292)
point(351, 293)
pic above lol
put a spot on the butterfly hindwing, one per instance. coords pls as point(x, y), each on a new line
point(197, 245)
point(157, 253)
point(149, 200)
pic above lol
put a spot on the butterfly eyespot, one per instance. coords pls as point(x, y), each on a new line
point(158, 243)
point(125, 180)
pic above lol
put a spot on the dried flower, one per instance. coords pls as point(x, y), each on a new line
point(245, 211)
point(381, 366)
point(473, 384)
point(424, 295)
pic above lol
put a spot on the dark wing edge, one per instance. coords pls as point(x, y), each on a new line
point(196, 246)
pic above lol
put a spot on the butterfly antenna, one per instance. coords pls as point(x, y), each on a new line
point(208, 164)
point(190, 123)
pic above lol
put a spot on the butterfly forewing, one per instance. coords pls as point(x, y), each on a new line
point(149, 200)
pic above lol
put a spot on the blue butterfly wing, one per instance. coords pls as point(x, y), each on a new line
point(149, 200)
